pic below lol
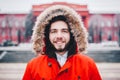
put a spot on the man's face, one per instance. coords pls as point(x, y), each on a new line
point(59, 35)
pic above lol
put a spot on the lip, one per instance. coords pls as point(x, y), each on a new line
point(58, 41)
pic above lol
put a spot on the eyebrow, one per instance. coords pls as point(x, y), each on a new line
point(65, 29)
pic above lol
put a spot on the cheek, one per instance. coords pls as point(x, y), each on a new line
point(51, 37)
point(67, 37)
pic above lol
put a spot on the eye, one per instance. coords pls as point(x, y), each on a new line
point(65, 30)
point(53, 31)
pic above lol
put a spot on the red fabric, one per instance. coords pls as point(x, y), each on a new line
point(77, 67)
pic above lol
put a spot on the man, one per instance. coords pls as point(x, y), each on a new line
point(60, 39)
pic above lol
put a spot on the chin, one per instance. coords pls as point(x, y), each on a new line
point(60, 50)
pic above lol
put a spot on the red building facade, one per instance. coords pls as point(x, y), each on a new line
point(12, 27)
point(104, 27)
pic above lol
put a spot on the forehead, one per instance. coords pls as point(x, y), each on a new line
point(59, 25)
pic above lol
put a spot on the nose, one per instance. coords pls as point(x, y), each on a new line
point(59, 38)
point(59, 34)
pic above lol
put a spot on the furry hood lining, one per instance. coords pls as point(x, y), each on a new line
point(75, 22)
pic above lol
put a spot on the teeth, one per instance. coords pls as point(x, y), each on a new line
point(59, 42)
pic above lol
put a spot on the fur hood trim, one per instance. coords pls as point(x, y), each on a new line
point(75, 22)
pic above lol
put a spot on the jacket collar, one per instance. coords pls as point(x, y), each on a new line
point(52, 62)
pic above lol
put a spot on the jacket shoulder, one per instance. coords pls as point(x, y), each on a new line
point(37, 60)
point(84, 58)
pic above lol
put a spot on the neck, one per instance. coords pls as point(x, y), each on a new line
point(61, 53)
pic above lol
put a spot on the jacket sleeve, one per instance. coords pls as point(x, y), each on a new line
point(27, 73)
point(94, 73)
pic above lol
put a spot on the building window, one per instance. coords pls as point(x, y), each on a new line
point(23, 23)
point(3, 33)
point(109, 24)
point(3, 24)
point(115, 24)
point(16, 23)
point(102, 24)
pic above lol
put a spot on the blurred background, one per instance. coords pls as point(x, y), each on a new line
point(101, 19)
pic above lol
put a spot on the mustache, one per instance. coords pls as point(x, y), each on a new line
point(59, 40)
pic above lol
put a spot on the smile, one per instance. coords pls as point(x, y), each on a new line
point(59, 42)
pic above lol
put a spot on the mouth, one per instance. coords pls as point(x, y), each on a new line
point(59, 42)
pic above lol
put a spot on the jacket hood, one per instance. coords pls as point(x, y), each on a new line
point(75, 22)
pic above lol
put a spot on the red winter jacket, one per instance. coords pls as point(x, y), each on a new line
point(77, 67)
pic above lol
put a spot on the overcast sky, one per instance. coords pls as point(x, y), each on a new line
point(24, 6)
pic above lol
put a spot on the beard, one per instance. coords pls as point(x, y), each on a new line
point(60, 49)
